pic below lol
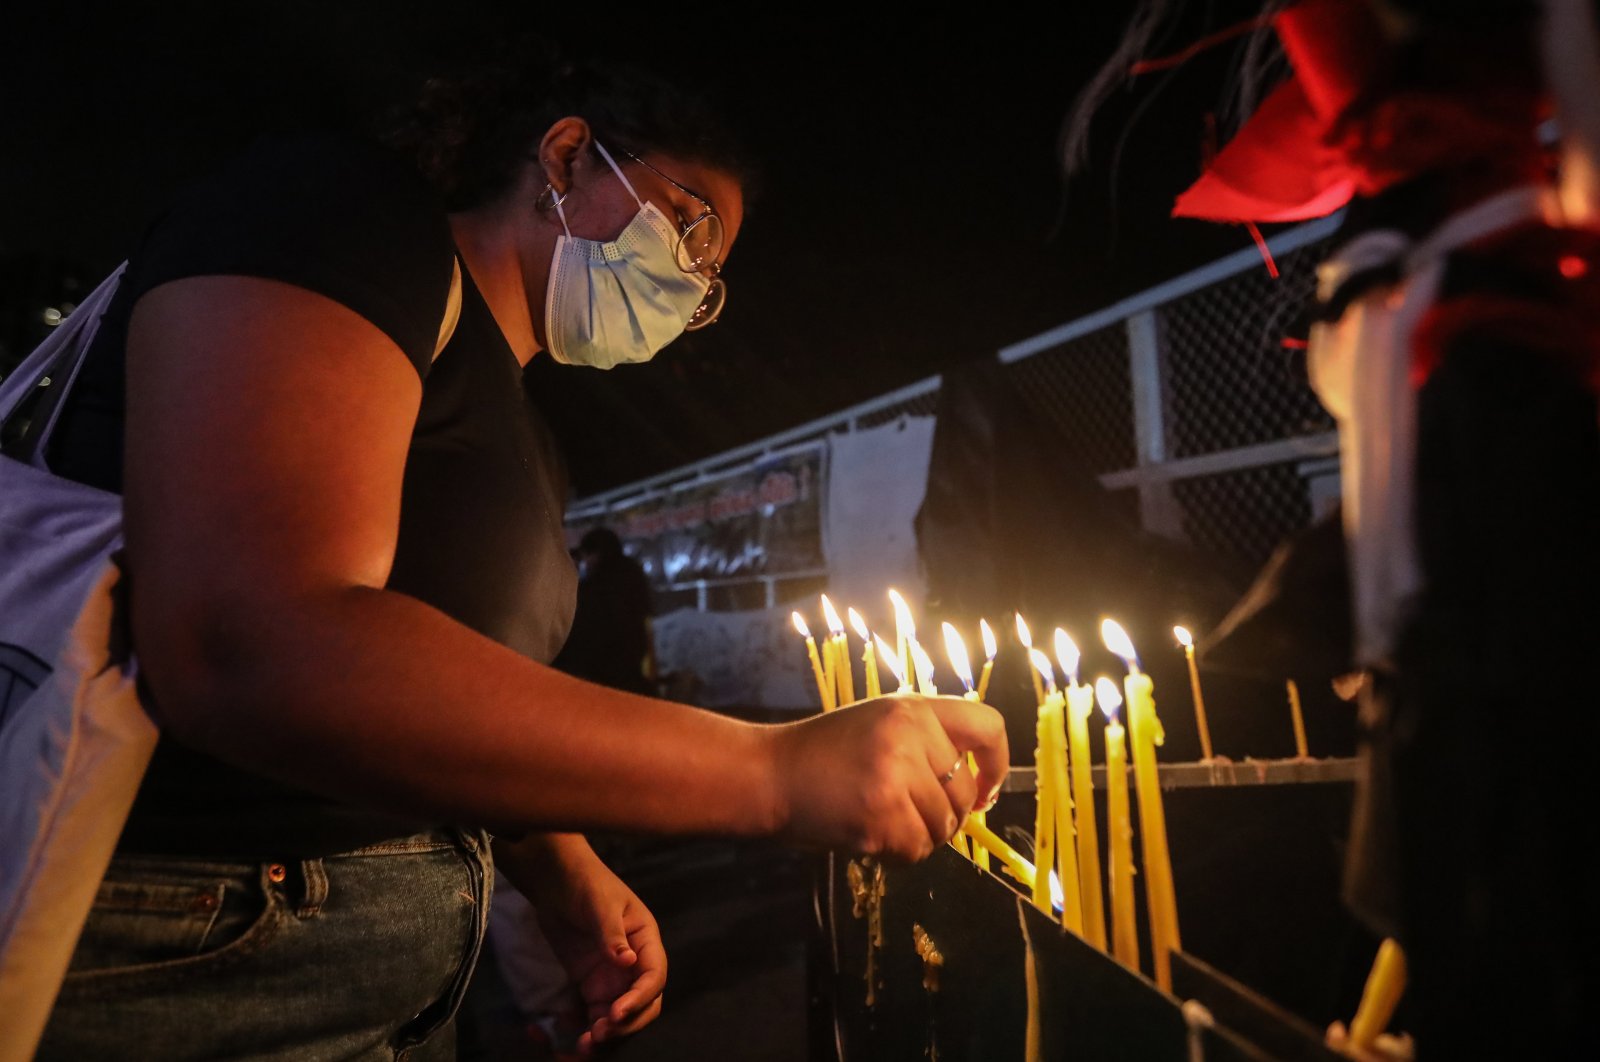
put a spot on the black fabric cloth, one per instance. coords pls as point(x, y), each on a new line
point(1495, 707)
point(480, 534)
point(610, 633)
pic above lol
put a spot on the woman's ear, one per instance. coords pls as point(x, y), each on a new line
point(559, 149)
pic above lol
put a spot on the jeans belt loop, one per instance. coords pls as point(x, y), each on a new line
point(315, 879)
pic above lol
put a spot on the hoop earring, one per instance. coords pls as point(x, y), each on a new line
point(549, 199)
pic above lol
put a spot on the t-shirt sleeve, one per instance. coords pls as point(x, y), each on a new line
point(339, 217)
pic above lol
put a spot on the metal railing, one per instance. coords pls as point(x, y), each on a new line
point(1183, 396)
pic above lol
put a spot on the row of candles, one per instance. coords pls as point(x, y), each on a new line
point(1066, 841)
point(1066, 844)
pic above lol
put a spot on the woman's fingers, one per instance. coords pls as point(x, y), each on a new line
point(980, 730)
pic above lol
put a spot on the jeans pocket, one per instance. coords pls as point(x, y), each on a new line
point(157, 914)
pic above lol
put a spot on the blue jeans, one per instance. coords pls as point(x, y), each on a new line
point(363, 955)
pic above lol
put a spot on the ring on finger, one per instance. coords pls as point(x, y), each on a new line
point(951, 773)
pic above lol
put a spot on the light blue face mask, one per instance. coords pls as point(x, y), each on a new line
point(610, 303)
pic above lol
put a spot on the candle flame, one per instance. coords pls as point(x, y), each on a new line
point(1057, 898)
point(831, 615)
point(990, 646)
point(1109, 697)
point(859, 624)
point(956, 650)
point(1185, 639)
point(1067, 655)
point(1118, 642)
point(904, 626)
point(1042, 663)
point(1023, 634)
point(890, 660)
point(800, 625)
point(924, 665)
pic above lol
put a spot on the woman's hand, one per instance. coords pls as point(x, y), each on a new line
point(602, 933)
point(872, 778)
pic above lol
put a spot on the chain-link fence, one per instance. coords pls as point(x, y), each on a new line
point(1185, 400)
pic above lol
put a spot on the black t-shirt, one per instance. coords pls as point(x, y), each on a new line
point(480, 533)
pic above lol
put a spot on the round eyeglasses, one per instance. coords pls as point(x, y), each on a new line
point(699, 250)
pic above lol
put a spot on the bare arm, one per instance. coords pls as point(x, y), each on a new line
point(267, 435)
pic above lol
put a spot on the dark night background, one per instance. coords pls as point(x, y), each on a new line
point(912, 214)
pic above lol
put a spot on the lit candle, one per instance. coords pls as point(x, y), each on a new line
point(986, 839)
point(1026, 638)
point(844, 674)
point(956, 650)
point(990, 647)
point(816, 664)
point(1066, 815)
point(1144, 728)
point(1385, 985)
point(869, 659)
point(922, 664)
point(896, 666)
point(1186, 640)
point(905, 628)
point(1124, 928)
point(1299, 721)
point(1080, 703)
point(1044, 816)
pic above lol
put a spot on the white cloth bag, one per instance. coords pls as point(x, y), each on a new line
point(74, 740)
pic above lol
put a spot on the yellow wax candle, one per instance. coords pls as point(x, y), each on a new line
point(1124, 927)
point(846, 674)
point(1158, 885)
point(816, 664)
point(956, 650)
point(1144, 730)
point(1061, 795)
point(985, 838)
point(905, 628)
point(869, 659)
point(1385, 985)
point(1080, 703)
point(1026, 638)
point(989, 649)
point(895, 664)
point(830, 670)
point(1044, 817)
point(1186, 640)
point(922, 666)
point(1045, 802)
point(1299, 721)
point(844, 681)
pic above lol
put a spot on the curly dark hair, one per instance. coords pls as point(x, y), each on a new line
point(471, 127)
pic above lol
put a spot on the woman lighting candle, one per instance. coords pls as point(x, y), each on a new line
point(1124, 928)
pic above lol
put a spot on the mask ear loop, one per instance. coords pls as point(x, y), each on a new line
point(556, 199)
point(618, 171)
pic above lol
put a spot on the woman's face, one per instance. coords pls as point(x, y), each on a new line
point(599, 207)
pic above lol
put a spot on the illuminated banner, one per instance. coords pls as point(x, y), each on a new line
point(761, 519)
